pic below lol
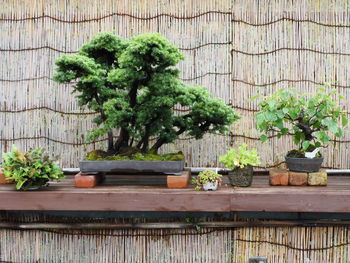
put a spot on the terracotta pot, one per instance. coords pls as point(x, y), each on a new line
point(241, 176)
point(3, 179)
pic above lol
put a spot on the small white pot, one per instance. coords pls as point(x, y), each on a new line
point(210, 186)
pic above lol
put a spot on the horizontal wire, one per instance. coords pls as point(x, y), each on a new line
point(194, 48)
point(73, 52)
point(290, 20)
point(49, 109)
point(152, 139)
point(288, 80)
point(184, 79)
point(74, 21)
point(289, 49)
point(93, 113)
point(291, 247)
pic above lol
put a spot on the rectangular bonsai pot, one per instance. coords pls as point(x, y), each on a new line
point(159, 167)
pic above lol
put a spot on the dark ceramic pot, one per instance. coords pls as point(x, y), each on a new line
point(166, 167)
point(306, 165)
point(241, 176)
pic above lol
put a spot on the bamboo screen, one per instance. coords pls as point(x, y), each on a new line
point(282, 244)
point(236, 49)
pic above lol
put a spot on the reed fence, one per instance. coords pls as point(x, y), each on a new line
point(290, 244)
point(236, 49)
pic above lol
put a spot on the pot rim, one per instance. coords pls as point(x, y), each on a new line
point(295, 158)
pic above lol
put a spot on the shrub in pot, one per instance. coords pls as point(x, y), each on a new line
point(133, 86)
point(31, 170)
point(309, 118)
point(207, 180)
point(240, 161)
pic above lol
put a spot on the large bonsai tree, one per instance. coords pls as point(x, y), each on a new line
point(309, 118)
point(134, 87)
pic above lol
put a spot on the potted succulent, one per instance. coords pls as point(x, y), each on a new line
point(31, 170)
point(309, 118)
point(240, 161)
point(134, 87)
point(207, 180)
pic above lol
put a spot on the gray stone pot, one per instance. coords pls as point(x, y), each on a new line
point(241, 176)
point(161, 167)
point(306, 165)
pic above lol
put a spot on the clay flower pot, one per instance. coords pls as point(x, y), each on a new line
point(241, 176)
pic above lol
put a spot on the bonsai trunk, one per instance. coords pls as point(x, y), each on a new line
point(110, 149)
point(161, 141)
point(307, 131)
point(123, 140)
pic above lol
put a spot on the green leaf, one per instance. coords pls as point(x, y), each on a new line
point(270, 116)
point(254, 97)
point(344, 120)
point(263, 138)
point(293, 113)
point(305, 145)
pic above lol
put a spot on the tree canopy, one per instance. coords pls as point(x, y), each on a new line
point(134, 86)
point(309, 118)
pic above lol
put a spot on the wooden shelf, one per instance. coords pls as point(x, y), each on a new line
point(114, 195)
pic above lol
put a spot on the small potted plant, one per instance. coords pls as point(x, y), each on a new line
point(207, 180)
point(309, 118)
point(240, 161)
point(31, 170)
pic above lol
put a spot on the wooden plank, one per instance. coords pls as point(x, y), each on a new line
point(108, 197)
point(115, 201)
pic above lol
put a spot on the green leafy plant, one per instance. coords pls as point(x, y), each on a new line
point(134, 87)
point(309, 118)
point(30, 169)
point(204, 177)
point(240, 157)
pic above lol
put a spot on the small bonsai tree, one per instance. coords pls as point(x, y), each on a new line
point(309, 118)
point(134, 87)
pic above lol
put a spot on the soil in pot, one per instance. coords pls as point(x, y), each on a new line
point(241, 176)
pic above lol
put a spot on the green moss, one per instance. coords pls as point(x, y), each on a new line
point(98, 155)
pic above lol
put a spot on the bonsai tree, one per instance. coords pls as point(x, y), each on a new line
point(30, 170)
point(309, 118)
point(134, 88)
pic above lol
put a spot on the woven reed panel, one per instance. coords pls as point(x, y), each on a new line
point(236, 49)
point(281, 244)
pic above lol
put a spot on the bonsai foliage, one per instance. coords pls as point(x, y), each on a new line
point(134, 87)
point(30, 169)
point(310, 119)
point(206, 176)
point(240, 157)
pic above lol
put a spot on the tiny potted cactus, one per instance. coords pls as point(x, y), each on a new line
point(207, 180)
point(240, 161)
